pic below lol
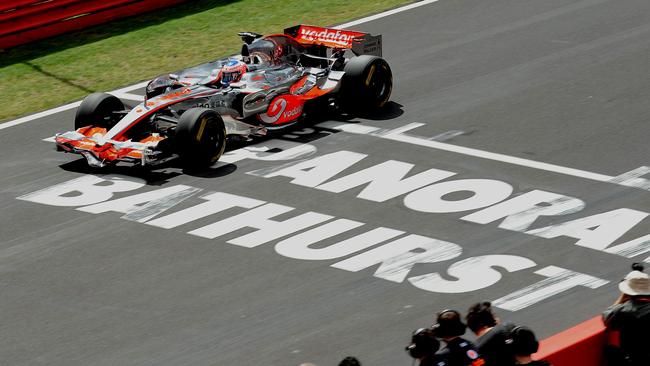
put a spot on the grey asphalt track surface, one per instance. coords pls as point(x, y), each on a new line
point(559, 81)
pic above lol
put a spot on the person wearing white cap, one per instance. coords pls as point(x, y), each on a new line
point(630, 316)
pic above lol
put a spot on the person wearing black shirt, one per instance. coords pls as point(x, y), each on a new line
point(524, 344)
point(630, 316)
point(423, 347)
point(459, 351)
point(493, 337)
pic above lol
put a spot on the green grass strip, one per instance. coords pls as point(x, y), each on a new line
point(62, 69)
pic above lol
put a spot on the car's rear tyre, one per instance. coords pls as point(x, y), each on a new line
point(97, 109)
point(366, 85)
point(200, 138)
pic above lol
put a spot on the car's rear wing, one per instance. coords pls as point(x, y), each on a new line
point(360, 43)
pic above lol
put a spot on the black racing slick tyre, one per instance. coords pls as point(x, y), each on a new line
point(200, 138)
point(367, 84)
point(97, 109)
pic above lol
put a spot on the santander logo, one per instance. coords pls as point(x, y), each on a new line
point(282, 109)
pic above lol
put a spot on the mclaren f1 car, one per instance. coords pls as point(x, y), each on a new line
point(192, 113)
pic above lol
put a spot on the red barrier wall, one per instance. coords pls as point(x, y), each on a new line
point(23, 21)
point(581, 345)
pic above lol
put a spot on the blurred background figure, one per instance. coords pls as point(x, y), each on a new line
point(493, 337)
point(524, 344)
point(630, 316)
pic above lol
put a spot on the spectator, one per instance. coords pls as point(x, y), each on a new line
point(459, 351)
point(630, 316)
point(493, 337)
point(423, 347)
point(350, 361)
point(524, 344)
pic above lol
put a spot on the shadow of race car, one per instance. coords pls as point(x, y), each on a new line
point(191, 114)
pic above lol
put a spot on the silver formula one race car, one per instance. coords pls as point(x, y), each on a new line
point(191, 114)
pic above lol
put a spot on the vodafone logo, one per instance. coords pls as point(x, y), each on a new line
point(293, 112)
point(325, 35)
point(281, 111)
point(275, 111)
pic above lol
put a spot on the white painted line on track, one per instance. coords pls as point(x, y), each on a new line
point(386, 13)
point(129, 88)
point(415, 140)
point(118, 92)
point(630, 179)
point(32, 117)
point(129, 96)
point(633, 178)
point(447, 135)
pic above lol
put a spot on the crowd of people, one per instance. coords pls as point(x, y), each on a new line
point(443, 344)
point(497, 343)
point(506, 344)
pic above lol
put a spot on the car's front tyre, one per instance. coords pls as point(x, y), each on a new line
point(200, 138)
point(98, 109)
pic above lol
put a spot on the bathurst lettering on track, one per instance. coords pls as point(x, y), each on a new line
point(398, 253)
point(393, 251)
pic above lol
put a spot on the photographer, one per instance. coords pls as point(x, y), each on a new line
point(630, 316)
point(459, 351)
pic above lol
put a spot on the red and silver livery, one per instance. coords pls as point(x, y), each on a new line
point(274, 83)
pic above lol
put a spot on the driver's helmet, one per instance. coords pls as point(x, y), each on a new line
point(232, 71)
